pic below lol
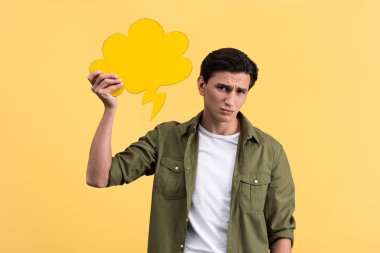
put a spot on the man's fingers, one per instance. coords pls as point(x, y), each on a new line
point(112, 87)
point(91, 77)
point(105, 84)
point(101, 77)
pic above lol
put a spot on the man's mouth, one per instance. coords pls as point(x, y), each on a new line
point(227, 111)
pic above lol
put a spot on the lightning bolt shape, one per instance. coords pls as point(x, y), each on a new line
point(157, 99)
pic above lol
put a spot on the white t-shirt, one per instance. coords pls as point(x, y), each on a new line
point(210, 211)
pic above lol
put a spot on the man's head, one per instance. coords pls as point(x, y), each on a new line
point(231, 60)
point(226, 77)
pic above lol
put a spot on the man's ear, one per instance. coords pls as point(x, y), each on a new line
point(201, 84)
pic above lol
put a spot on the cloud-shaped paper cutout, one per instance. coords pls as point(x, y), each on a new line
point(146, 59)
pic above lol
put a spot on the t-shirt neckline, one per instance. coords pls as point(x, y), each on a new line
point(220, 136)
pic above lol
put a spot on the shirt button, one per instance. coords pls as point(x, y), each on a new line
point(188, 168)
point(187, 219)
point(181, 246)
point(256, 181)
point(176, 168)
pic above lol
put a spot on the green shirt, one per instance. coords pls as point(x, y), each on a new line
point(262, 193)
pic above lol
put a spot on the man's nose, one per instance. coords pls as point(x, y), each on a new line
point(229, 100)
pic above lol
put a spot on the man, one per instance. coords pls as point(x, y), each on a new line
point(220, 184)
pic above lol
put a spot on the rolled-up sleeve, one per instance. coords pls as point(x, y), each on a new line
point(280, 203)
point(135, 161)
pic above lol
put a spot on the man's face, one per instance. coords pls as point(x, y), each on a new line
point(224, 95)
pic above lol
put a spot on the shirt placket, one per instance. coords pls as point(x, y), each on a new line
point(239, 161)
point(190, 163)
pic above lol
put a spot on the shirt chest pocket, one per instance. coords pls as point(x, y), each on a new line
point(171, 178)
point(253, 191)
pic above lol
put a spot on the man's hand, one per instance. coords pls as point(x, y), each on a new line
point(102, 84)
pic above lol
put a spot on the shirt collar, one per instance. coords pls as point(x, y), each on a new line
point(247, 130)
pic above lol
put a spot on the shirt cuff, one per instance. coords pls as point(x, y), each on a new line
point(115, 175)
point(288, 233)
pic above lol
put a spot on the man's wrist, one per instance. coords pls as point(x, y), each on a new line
point(109, 110)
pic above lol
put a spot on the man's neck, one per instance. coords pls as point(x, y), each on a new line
point(221, 128)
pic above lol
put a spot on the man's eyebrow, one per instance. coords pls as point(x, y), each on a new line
point(224, 85)
point(242, 89)
point(239, 89)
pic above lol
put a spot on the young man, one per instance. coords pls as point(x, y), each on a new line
point(220, 184)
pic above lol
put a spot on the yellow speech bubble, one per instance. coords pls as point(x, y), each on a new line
point(146, 59)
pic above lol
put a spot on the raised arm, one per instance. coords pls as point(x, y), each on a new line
point(100, 157)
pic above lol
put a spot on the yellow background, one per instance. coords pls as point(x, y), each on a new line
point(317, 93)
